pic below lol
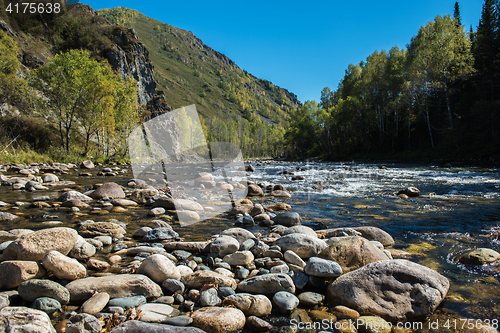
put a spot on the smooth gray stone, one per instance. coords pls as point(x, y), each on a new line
point(310, 299)
point(288, 219)
point(226, 291)
point(165, 300)
point(322, 268)
point(32, 289)
point(159, 234)
point(242, 273)
point(83, 323)
point(181, 254)
point(300, 279)
point(209, 297)
point(179, 321)
point(173, 286)
point(247, 245)
point(128, 302)
point(114, 309)
point(285, 301)
point(135, 326)
point(47, 305)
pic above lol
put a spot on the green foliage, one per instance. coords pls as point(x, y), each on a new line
point(411, 100)
point(81, 92)
point(12, 88)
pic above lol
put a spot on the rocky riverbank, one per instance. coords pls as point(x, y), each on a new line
point(99, 276)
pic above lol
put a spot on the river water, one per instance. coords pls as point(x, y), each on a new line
point(458, 210)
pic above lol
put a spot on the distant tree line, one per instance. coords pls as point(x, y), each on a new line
point(440, 94)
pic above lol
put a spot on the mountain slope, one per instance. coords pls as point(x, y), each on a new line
point(191, 72)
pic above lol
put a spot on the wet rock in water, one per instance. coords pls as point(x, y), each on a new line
point(121, 285)
point(219, 320)
point(251, 305)
point(123, 202)
point(241, 258)
point(249, 168)
point(224, 245)
point(156, 211)
point(255, 190)
point(13, 273)
point(373, 324)
point(200, 278)
point(74, 195)
point(281, 206)
point(108, 190)
point(352, 253)
point(159, 234)
point(94, 229)
point(343, 312)
point(47, 305)
point(259, 325)
point(300, 229)
point(288, 219)
point(303, 245)
point(128, 302)
point(411, 192)
point(63, 267)
point(322, 268)
point(75, 203)
point(22, 319)
point(177, 204)
point(239, 234)
point(241, 209)
point(257, 210)
point(87, 165)
point(50, 178)
point(392, 289)
point(193, 247)
point(173, 285)
point(267, 284)
point(262, 218)
point(4, 216)
point(157, 312)
point(480, 256)
point(159, 268)
point(209, 297)
point(285, 301)
point(158, 224)
point(83, 323)
point(310, 299)
point(95, 304)
point(280, 194)
point(34, 246)
point(185, 216)
point(376, 234)
point(135, 326)
point(32, 289)
point(141, 196)
point(141, 232)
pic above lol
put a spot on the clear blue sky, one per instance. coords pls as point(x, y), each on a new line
point(302, 46)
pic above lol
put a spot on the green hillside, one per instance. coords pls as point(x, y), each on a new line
point(236, 106)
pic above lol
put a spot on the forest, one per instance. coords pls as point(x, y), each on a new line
point(438, 98)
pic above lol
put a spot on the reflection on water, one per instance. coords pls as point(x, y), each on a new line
point(458, 210)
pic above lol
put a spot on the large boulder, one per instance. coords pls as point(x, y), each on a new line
point(108, 190)
point(199, 278)
point(352, 253)
point(121, 285)
point(395, 290)
point(304, 246)
point(24, 320)
point(159, 268)
point(141, 196)
point(267, 284)
point(36, 245)
point(219, 320)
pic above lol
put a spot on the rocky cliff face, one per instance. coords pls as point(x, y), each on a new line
point(131, 58)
